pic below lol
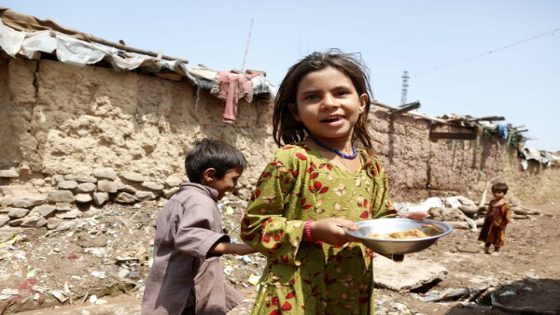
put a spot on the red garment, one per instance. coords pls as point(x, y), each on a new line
point(232, 87)
point(497, 218)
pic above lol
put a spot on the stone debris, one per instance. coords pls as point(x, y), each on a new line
point(97, 252)
point(406, 275)
point(461, 212)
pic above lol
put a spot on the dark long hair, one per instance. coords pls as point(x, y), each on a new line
point(286, 129)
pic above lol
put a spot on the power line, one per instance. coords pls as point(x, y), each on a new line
point(551, 32)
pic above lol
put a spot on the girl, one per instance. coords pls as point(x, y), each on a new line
point(315, 187)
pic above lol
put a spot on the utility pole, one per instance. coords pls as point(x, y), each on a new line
point(247, 46)
point(404, 90)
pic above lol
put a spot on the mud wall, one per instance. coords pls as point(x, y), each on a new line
point(419, 167)
point(61, 120)
point(56, 118)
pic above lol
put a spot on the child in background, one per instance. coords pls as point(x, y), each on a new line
point(497, 218)
point(187, 275)
point(316, 186)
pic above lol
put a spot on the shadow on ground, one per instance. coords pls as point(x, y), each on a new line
point(528, 296)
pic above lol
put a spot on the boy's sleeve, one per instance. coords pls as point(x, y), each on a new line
point(265, 225)
point(193, 235)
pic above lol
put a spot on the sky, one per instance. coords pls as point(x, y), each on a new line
point(470, 57)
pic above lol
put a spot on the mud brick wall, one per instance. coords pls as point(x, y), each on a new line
point(419, 167)
point(60, 119)
point(61, 124)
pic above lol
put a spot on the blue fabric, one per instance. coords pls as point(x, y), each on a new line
point(503, 131)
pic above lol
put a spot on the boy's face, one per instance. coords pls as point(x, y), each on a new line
point(225, 184)
point(498, 194)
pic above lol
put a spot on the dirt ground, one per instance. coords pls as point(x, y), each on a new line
point(97, 265)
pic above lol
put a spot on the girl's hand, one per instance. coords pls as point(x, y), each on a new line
point(417, 215)
point(331, 230)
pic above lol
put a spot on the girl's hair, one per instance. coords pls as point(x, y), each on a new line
point(213, 153)
point(500, 187)
point(285, 128)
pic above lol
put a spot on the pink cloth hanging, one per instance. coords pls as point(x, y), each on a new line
point(232, 87)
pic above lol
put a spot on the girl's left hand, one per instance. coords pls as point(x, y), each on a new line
point(417, 215)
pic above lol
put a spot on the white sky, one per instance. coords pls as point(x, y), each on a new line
point(432, 39)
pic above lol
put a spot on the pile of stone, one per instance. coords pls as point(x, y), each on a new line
point(46, 201)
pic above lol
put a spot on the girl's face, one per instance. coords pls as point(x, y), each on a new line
point(328, 104)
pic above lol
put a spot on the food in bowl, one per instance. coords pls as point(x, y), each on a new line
point(386, 226)
point(422, 232)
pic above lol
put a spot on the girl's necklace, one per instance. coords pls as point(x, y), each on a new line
point(335, 151)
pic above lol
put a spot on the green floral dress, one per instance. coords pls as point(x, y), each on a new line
point(313, 278)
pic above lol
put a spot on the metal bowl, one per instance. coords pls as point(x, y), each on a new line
point(434, 230)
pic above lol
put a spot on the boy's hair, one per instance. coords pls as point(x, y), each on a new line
point(285, 128)
point(216, 154)
point(500, 187)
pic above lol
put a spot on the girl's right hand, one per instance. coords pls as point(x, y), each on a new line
point(331, 231)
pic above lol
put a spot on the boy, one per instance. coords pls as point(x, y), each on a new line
point(497, 218)
point(187, 275)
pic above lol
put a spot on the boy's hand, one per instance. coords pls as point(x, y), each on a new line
point(244, 249)
point(232, 248)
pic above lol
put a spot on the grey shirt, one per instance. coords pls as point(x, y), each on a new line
point(183, 273)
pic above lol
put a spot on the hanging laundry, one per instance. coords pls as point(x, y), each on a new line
point(231, 86)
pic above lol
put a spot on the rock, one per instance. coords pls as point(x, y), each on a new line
point(63, 206)
point(100, 198)
point(105, 173)
point(106, 186)
point(173, 181)
point(87, 187)
point(8, 174)
point(53, 223)
point(60, 196)
point(125, 198)
point(16, 213)
point(153, 186)
point(4, 219)
point(6, 201)
point(72, 214)
point(82, 178)
point(16, 222)
point(145, 195)
point(45, 210)
point(127, 188)
point(28, 201)
point(67, 185)
point(82, 198)
point(37, 182)
point(35, 222)
point(132, 176)
point(57, 179)
point(406, 275)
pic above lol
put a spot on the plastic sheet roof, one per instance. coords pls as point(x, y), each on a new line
point(30, 37)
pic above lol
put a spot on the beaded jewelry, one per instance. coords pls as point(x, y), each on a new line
point(335, 151)
point(307, 231)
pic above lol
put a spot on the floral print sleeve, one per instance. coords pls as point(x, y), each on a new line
point(269, 224)
point(382, 204)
